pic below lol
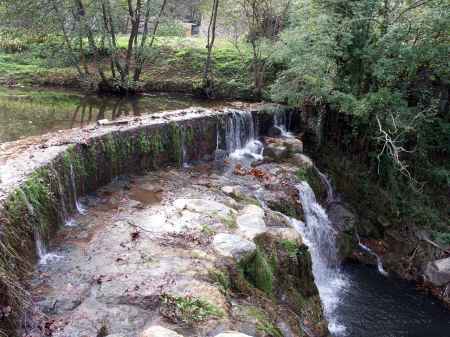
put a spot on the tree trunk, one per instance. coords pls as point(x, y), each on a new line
point(207, 80)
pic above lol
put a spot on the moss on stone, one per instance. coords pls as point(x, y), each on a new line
point(258, 271)
point(176, 143)
point(311, 176)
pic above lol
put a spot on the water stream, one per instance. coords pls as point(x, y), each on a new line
point(361, 300)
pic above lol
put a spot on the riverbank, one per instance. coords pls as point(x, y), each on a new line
point(175, 66)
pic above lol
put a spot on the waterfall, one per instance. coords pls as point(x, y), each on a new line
point(380, 267)
point(331, 197)
point(240, 137)
point(282, 121)
point(79, 207)
point(43, 255)
point(66, 219)
point(320, 237)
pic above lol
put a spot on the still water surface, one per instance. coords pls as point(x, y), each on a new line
point(31, 112)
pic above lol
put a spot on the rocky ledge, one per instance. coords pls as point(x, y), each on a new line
point(191, 252)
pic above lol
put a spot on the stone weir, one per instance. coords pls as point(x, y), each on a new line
point(41, 179)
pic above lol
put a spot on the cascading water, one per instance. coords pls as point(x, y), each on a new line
point(320, 237)
point(371, 252)
point(240, 137)
point(282, 121)
point(44, 257)
point(79, 207)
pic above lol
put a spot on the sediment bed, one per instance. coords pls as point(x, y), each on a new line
point(40, 183)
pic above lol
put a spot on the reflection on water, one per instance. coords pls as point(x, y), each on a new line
point(26, 113)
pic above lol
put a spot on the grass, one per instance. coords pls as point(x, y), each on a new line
point(188, 310)
point(259, 272)
point(174, 64)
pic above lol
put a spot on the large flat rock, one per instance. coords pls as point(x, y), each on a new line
point(438, 272)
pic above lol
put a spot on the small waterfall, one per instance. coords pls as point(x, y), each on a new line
point(320, 237)
point(331, 197)
point(282, 121)
point(44, 257)
point(66, 219)
point(240, 139)
point(371, 252)
point(79, 207)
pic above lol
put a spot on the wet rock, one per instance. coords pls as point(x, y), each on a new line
point(294, 145)
point(276, 152)
point(438, 272)
point(250, 221)
point(302, 160)
point(342, 219)
point(234, 246)
point(159, 331)
point(274, 131)
point(232, 334)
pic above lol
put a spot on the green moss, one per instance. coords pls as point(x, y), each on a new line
point(187, 310)
point(229, 221)
point(72, 158)
point(91, 163)
point(311, 176)
point(221, 278)
point(176, 143)
point(258, 271)
point(291, 247)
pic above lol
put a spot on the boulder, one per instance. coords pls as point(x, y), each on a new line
point(438, 272)
point(302, 160)
point(233, 191)
point(286, 234)
point(234, 246)
point(275, 151)
point(274, 131)
point(294, 145)
point(250, 221)
point(232, 334)
point(204, 206)
point(159, 331)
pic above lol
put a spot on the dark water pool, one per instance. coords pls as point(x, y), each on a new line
point(372, 305)
point(31, 112)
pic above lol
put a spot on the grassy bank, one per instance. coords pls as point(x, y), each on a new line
point(174, 64)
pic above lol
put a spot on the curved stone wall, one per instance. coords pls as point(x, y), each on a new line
point(40, 182)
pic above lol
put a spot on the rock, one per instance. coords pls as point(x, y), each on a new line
point(274, 131)
point(232, 334)
point(250, 221)
point(276, 152)
point(302, 160)
point(158, 331)
point(438, 272)
point(289, 234)
point(220, 155)
point(233, 191)
point(234, 246)
point(294, 145)
point(116, 335)
point(341, 217)
point(204, 206)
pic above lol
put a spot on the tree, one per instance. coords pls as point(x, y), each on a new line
point(366, 58)
point(91, 30)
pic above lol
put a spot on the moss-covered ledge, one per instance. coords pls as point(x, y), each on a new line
point(41, 179)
